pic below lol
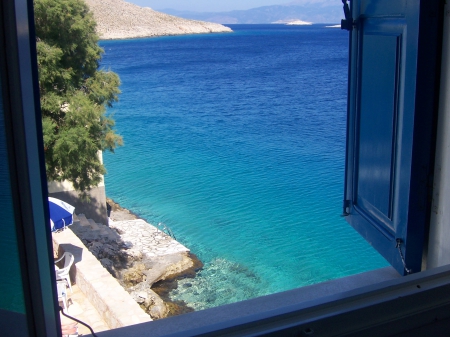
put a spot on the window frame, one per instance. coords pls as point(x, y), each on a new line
point(419, 301)
point(27, 169)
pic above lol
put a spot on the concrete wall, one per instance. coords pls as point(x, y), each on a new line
point(438, 246)
point(95, 209)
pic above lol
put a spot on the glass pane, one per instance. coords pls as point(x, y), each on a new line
point(11, 290)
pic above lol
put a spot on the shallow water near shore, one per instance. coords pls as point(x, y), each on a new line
point(237, 143)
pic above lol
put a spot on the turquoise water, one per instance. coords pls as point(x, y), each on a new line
point(237, 143)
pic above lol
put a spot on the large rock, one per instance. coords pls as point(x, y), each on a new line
point(166, 266)
point(157, 308)
point(149, 301)
point(134, 275)
point(117, 19)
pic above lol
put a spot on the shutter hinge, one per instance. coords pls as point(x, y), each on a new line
point(346, 208)
point(347, 23)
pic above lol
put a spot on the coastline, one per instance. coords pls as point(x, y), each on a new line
point(146, 262)
point(117, 19)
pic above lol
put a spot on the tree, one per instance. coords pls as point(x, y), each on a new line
point(74, 93)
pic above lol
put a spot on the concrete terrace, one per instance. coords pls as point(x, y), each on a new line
point(98, 299)
point(81, 308)
point(147, 238)
point(115, 307)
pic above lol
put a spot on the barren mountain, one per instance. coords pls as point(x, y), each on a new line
point(117, 19)
point(316, 11)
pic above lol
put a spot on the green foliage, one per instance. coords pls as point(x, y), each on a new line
point(74, 93)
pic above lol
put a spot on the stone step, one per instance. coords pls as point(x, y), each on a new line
point(93, 224)
point(91, 230)
point(114, 237)
point(82, 219)
point(104, 232)
point(76, 226)
point(102, 226)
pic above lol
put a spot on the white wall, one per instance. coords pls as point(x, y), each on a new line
point(439, 240)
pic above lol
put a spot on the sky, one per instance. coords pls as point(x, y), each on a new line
point(214, 5)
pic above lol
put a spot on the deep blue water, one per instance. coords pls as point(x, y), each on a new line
point(237, 143)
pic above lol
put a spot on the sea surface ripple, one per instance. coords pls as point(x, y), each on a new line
point(237, 143)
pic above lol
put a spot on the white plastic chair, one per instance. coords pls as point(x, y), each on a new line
point(63, 273)
point(62, 294)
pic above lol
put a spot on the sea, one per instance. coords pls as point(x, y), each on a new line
point(236, 142)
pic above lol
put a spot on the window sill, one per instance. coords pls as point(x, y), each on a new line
point(261, 308)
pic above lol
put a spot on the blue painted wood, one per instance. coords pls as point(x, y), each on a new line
point(377, 125)
point(391, 125)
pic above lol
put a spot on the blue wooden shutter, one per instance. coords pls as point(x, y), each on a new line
point(391, 109)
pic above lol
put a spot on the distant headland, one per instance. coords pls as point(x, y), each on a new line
point(299, 23)
point(117, 19)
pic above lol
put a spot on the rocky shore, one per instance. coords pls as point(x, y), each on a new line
point(145, 261)
point(117, 19)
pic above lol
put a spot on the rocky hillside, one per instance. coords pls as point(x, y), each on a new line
point(117, 19)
